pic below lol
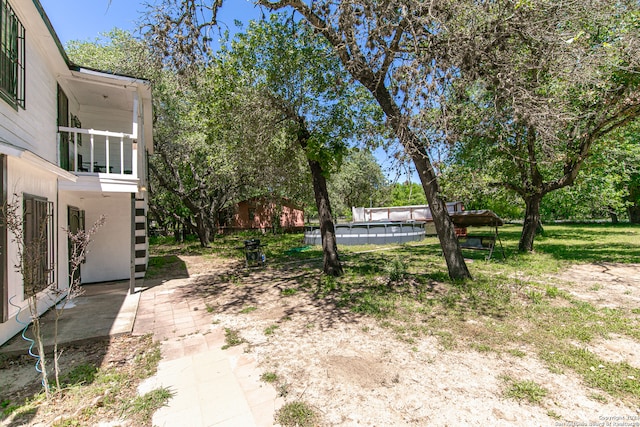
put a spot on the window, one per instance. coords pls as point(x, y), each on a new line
point(76, 224)
point(38, 252)
point(12, 57)
point(63, 120)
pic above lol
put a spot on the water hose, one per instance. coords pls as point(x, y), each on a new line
point(24, 337)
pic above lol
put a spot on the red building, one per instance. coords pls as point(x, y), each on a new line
point(261, 213)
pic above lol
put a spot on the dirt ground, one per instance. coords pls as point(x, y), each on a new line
point(19, 378)
point(356, 373)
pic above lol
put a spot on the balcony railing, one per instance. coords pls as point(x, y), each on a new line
point(90, 151)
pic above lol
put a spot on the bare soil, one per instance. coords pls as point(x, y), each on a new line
point(354, 371)
point(19, 379)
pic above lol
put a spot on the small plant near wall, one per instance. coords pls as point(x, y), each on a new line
point(78, 248)
point(31, 225)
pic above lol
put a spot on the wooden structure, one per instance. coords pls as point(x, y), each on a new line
point(479, 218)
point(260, 213)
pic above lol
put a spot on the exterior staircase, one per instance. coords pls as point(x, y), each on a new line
point(142, 240)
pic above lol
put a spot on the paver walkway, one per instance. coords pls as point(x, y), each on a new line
point(211, 386)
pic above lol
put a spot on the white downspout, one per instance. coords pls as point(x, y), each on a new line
point(136, 114)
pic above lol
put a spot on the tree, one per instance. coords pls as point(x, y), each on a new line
point(604, 186)
point(372, 39)
point(407, 194)
point(358, 182)
point(116, 51)
point(537, 85)
point(192, 162)
point(290, 68)
point(628, 142)
point(471, 185)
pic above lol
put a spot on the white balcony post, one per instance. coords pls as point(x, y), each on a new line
point(92, 146)
point(121, 154)
point(58, 137)
point(75, 151)
point(134, 158)
point(106, 168)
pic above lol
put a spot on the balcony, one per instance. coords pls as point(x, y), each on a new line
point(98, 152)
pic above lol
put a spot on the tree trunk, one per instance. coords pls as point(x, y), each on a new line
point(634, 214)
point(444, 226)
point(177, 235)
point(531, 221)
point(202, 231)
point(613, 215)
point(331, 260)
point(417, 150)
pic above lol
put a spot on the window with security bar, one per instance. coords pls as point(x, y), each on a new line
point(38, 252)
point(12, 56)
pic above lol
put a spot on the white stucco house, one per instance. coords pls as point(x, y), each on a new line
point(73, 147)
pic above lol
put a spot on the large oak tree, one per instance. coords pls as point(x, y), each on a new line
point(537, 85)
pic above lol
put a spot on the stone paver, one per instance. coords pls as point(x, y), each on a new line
point(211, 386)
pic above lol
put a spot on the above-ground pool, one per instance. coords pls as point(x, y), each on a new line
point(375, 233)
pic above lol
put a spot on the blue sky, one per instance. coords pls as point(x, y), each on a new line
point(86, 20)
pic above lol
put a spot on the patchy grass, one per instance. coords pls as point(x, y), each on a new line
point(269, 377)
point(509, 304)
point(232, 338)
point(269, 330)
point(94, 392)
point(144, 406)
point(278, 249)
point(166, 266)
point(524, 390)
point(297, 414)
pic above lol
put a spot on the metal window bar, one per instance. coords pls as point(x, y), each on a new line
point(39, 245)
point(21, 60)
point(12, 56)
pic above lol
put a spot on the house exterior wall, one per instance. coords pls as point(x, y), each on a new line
point(109, 256)
point(292, 217)
point(22, 178)
point(33, 128)
point(258, 214)
point(30, 146)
